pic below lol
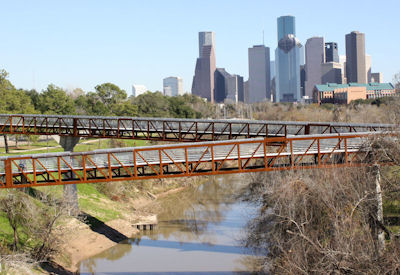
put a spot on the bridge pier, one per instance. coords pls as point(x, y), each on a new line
point(70, 190)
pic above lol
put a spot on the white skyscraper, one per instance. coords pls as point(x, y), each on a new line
point(138, 89)
point(173, 86)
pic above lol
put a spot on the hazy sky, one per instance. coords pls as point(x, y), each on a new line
point(83, 43)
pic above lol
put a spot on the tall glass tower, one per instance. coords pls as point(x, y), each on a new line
point(287, 61)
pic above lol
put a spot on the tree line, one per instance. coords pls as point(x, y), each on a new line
point(107, 99)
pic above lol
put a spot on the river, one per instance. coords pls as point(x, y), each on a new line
point(199, 232)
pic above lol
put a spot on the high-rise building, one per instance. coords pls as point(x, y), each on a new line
point(220, 79)
point(342, 61)
point(173, 86)
point(331, 52)
point(272, 69)
point(286, 26)
point(331, 72)
point(228, 88)
point(206, 39)
point(138, 89)
point(203, 80)
point(368, 67)
point(376, 77)
point(287, 61)
point(355, 57)
point(315, 57)
point(259, 74)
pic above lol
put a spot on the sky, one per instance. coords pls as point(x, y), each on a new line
point(81, 44)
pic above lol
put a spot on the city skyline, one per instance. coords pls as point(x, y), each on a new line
point(95, 42)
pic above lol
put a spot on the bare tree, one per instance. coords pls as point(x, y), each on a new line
point(321, 222)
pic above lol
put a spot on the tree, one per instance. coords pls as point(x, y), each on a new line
point(13, 100)
point(54, 100)
point(152, 105)
point(110, 94)
point(16, 205)
point(179, 108)
point(396, 81)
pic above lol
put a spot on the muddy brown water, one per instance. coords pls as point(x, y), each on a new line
point(200, 231)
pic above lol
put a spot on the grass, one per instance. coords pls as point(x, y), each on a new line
point(80, 147)
point(96, 204)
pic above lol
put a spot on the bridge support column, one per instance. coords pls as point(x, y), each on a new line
point(70, 190)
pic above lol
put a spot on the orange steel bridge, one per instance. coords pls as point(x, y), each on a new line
point(165, 129)
point(187, 159)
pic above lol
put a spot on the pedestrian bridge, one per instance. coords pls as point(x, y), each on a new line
point(171, 129)
point(189, 159)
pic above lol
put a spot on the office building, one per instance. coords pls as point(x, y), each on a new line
point(173, 86)
point(331, 72)
point(287, 61)
point(315, 57)
point(331, 52)
point(355, 58)
point(368, 67)
point(203, 80)
point(220, 79)
point(228, 88)
point(272, 69)
point(342, 61)
point(206, 39)
point(138, 89)
point(259, 74)
point(376, 77)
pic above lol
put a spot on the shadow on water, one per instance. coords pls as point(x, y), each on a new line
point(187, 246)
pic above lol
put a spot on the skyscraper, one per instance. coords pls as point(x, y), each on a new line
point(203, 80)
point(287, 61)
point(368, 67)
point(259, 74)
point(286, 26)
point(138, 89)
point(206, 39)
point(221, 77)
point(315, 56)
point(228, 88)
point(173, 86)
point(355, 57)
point(331, 52)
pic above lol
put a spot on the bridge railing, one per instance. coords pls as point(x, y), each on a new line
point(189, 159)
point(170, 129)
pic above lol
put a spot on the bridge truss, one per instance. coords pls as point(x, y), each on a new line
point(164, 129)
point(187, 159)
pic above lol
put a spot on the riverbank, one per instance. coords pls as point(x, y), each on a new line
point(91, 234)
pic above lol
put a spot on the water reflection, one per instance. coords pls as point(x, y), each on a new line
point(198, 232)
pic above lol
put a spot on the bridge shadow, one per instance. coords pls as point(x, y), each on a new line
point(53, 268)
point(189, 246)
point(100, 227)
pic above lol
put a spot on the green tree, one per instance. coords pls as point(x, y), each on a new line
point(178, 107)
point(54, 100)
point(110, 93)
point(152, 105)
point(11, 99)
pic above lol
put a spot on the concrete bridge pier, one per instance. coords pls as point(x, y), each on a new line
point(70, 190)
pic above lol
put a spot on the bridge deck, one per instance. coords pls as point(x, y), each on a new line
point(185, 130)
point(190, 159)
